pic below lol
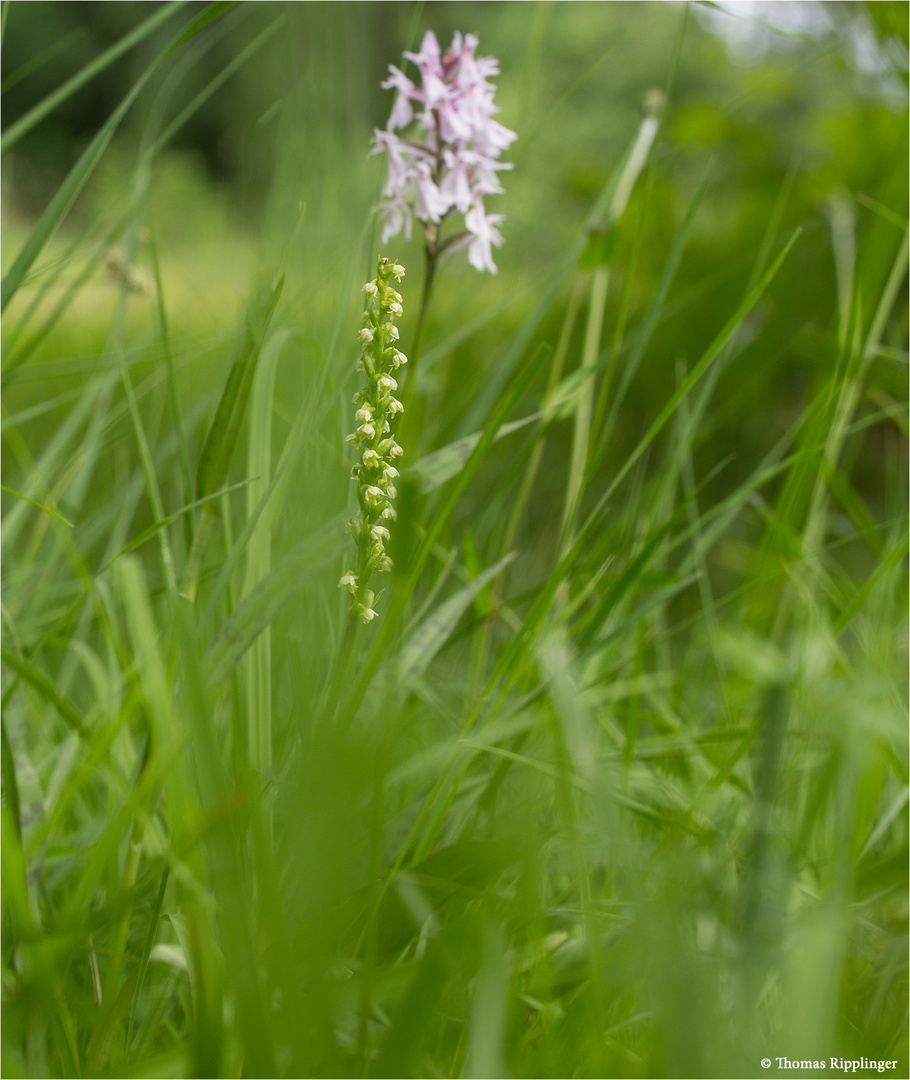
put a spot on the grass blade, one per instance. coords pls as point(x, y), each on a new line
point(435, 631)
point(34, 502)
point(66, 194)
point(27, 671)
point(225, 430)
point(43, 108)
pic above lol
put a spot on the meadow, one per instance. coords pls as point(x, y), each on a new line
point(610, 776)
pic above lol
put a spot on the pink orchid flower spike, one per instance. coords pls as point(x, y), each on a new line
point(446, 159)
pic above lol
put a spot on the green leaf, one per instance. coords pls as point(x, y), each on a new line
point(106, 1025)
point(157, 526)
point(34, 502)
point(10, 785)
point(504, 370)
point(215, 84)
point(434, 469)
point(436, 630)
point(26, 670)
point(262, 605)
point(147, 950)
point(200, 22)
point(704, 362)
point(520, 385)
point(225, 430)
point(652, 316)
point(660, 815)
point(483, 602)
point(487, 1025)
point(624, 582)
point(856, 605)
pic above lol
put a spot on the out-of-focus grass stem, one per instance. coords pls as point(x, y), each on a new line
point(530, 476)
point(259, 558)
point(173, 393)
point(130, 872)
point(850, 390)
point(600, 281)
point(145, 458)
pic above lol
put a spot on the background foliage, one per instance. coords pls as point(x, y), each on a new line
point(617, 783)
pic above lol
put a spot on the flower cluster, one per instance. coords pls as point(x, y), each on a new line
point(448, 161)
point(376, 408)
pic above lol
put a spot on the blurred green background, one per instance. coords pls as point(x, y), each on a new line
point(814, 109)
point(395, 899)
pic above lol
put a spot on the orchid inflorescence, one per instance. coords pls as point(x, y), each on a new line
point(376, 408)
point(449, 158)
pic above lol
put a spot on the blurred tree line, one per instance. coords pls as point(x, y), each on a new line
point(348, 45)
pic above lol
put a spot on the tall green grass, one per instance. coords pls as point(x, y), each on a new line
point(617, 783)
